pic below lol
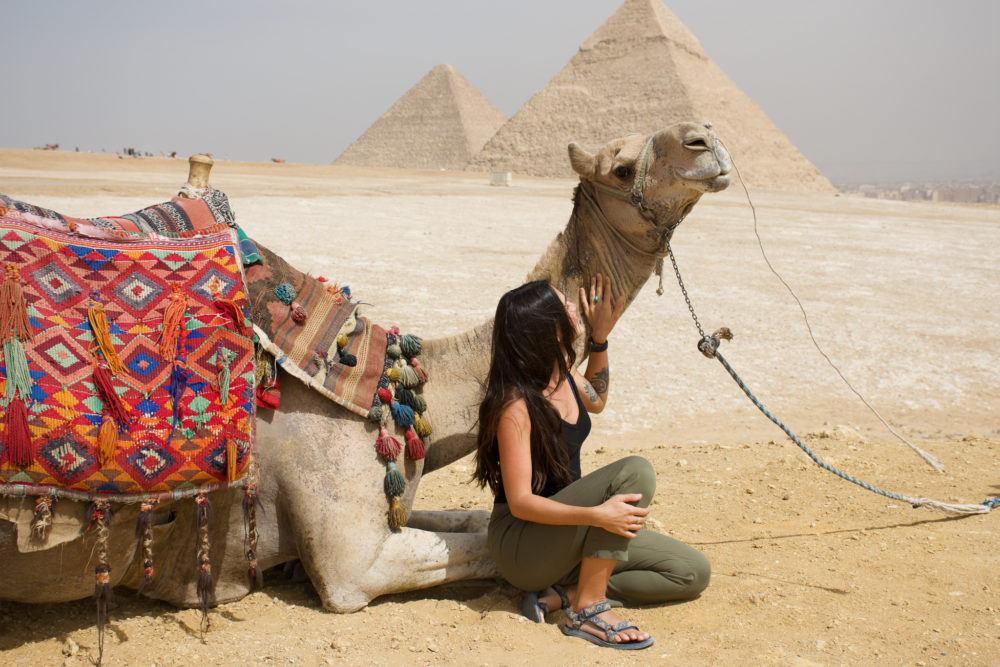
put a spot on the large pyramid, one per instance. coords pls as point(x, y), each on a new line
point(639, 72)
point(441, 122)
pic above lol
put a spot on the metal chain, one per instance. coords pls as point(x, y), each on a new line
point(680, 281)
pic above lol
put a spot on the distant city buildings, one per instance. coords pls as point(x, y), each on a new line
point(965, 193)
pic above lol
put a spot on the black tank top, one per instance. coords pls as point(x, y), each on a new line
point(573, 437)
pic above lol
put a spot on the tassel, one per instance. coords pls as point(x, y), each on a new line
point(98, 319)
point(206, 584)
point(250, 505)
point(101, 517)
point(13, 308)
point(420, 406)
point(229, 307)
point(408, 377)
point(406, 397)
point(410, 345)
point(299, 314)
point(18, 377)
point(419, 370)
point(107, 440)
point(223, 360)
point(285, 292)
point(19, 449)
point(348, 359)
point(414, 446)
point(375, 414)
point(178, 383)
point(173, 317)
point(144, 533)
point(387, 446)
point(41, 522)
point(341, 341)
point(385, 394)
point(394, 482)
point(403, 415)
point(106, 390)
point(422, 426)
point(393, 351)
point(397, 515)
point(232, 459)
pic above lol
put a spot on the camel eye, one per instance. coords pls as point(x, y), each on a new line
point(623, 172)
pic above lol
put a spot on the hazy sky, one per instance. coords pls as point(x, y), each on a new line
point(867, 89)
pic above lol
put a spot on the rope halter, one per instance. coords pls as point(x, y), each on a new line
point(635, 195)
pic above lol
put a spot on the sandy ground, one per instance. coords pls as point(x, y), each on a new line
point(808, 569)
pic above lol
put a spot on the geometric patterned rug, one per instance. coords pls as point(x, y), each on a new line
point(188, 412)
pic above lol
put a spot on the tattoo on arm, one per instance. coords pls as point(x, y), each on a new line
point(591, 394)
point(601, 380)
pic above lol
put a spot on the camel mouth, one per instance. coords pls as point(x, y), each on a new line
point(717, 184)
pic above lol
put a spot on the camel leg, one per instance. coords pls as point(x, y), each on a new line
point(414, 559)
point(448, 521)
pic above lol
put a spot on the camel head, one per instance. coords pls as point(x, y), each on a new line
point(646, 185)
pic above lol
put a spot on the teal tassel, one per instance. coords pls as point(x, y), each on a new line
point(285, 292)
point(394, 482)
point(375, 414)
point(348, 359)
point(18, 377)
point(410, 345)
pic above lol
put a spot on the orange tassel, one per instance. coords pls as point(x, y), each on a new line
point(107, 441)
point(102, 336)
point(173, 318)
point(232, 458)
point(18, 435)
point(13, 309)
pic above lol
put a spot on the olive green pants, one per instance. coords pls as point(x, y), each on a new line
point(651, 567)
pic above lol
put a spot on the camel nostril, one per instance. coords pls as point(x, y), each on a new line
point(696, 145)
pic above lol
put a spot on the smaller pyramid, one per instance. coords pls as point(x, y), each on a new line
point(440, 123)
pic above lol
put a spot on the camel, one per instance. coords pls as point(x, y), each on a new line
point(320, 480)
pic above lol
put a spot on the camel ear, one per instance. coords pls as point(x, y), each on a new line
point(582, 162)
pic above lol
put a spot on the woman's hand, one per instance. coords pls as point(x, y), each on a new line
point(616, 515)
point(600, 307)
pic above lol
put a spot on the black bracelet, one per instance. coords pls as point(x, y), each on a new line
point(594, 347)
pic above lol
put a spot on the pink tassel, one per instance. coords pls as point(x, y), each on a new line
point(387, 446)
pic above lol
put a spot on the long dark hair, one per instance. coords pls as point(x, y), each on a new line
point(532, 336)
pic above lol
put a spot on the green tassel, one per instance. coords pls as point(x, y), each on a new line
point(18, 377)
point(394, 351)
point(394, 482)
point(410, 345)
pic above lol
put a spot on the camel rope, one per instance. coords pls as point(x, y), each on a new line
point(926, 456)
point(709, 345)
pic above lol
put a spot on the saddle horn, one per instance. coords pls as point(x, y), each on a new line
point(199, 166)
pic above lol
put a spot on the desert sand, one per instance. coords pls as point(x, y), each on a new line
point(808, 569)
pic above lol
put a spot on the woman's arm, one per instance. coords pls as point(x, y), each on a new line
point(602, 311)
point(615, 515)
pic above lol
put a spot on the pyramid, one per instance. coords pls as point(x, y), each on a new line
point(641, 71)
point(442, 122)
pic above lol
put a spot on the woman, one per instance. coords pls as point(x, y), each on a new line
point(579, 541)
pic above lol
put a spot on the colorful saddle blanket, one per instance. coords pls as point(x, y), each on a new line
point(99, 295)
